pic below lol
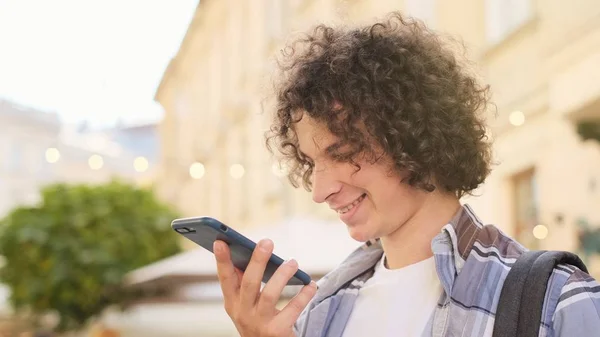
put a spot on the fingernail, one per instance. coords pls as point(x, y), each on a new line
point(313, 284)
point(292, 263)
point(216, 247)
point(265, 245)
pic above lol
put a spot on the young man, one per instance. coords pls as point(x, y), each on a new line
point(385, 125)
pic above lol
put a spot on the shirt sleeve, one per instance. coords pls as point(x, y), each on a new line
point(578, 310)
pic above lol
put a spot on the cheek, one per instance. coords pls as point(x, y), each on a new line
point(382, 187)
point(394, 200)
point(388, 193)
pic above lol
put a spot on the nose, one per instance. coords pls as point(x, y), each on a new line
point(324, 183)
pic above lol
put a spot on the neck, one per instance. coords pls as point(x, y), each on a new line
point(411, 243)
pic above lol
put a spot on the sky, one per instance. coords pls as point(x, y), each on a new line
point(99, 61)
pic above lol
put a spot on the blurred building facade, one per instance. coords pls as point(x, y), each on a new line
point(540, 59)
point(25, 135)
point(38, 150)
point(141, 140)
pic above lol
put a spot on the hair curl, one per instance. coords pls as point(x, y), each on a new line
point(401, 84)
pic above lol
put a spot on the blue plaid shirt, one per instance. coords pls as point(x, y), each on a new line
point(472, 262)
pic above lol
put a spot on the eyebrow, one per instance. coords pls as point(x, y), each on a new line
point(327, 150)
point(316, 146)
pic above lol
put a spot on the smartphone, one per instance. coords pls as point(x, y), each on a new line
point(205, 230)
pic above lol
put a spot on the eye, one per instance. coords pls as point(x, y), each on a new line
point(333, 150)
point(340, 152)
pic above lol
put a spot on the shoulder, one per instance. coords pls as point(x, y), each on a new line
point(573, 299)
point(578, 291)
point(492, 248)
point(568, 283)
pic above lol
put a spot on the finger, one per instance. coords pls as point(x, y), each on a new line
point(240, 274)
point(271, 293)
point(226, 272)
point(290, 313)
point(250, 286)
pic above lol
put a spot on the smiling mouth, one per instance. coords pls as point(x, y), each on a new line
point(352, 205)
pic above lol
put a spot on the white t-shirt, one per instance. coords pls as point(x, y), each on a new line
point(396, 302)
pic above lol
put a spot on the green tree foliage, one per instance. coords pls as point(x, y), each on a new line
point(68, 255)
point(589, 236)
point(589, 130)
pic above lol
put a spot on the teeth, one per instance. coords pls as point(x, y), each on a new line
point(351, 206)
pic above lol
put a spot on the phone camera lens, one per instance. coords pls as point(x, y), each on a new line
point(184, 230)
point(224, 228)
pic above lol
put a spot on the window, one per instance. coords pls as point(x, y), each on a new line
point(423, 10)
point(525, 207)
point(276, 11)
point(15, 156)
point(502, 17)
point(30, 159)
point(182, 105)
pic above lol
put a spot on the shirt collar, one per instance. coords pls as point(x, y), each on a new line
point(450, 247)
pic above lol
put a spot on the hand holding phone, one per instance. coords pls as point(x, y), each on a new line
point(253, 312)
point(241, 267)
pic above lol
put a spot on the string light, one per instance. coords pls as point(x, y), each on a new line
point(95, 162)
point(237, 171)
point(52, 155)
point(540, 232)
point(140, 164)
point(197, 170)
point(516, 118)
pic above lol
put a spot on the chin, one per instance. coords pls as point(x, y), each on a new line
point(360, 233)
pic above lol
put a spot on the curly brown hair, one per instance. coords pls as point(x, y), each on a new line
point(400, 83)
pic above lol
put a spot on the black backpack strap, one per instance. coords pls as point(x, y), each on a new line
point(521, 302)
point(535, 288)
point(507, 313)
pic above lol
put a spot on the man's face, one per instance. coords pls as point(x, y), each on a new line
point(372, 202)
